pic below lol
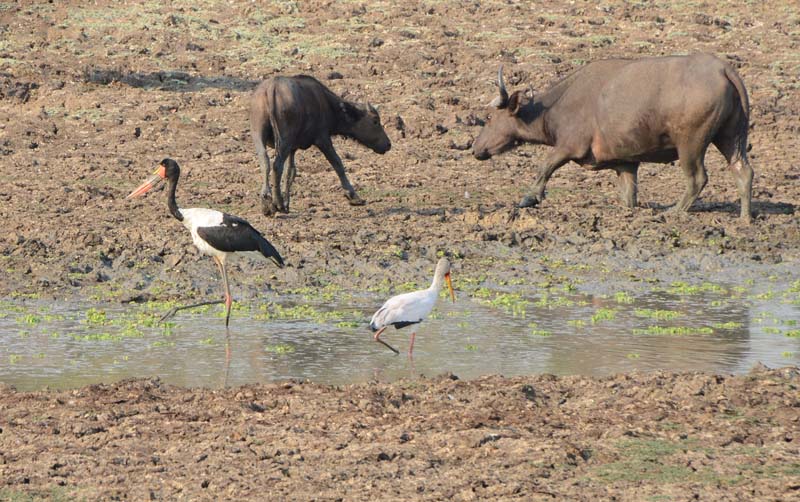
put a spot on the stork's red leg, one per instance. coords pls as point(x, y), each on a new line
point(411, 347)
point(228, 299)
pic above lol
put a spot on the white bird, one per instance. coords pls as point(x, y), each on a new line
point(411, 308)
point(215, 233)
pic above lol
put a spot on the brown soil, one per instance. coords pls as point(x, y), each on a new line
point(93, 96)
point(630, 437)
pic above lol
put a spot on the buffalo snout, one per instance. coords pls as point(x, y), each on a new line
point(383, 147)
point(482, 154)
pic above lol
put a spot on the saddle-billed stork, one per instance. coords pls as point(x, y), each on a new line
point(411, 308)
point(215, 233)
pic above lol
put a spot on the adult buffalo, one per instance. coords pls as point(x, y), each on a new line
point(294, 113)
point(616, 113)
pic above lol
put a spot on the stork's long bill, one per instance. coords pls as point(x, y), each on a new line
point(450, 286)
point(153, 181)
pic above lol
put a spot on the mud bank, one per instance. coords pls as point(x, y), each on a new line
point(633, 437)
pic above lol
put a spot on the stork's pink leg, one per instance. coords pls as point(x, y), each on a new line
point(411, 347)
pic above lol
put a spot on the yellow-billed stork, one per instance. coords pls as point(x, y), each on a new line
point(411, 308)
point(215, 233)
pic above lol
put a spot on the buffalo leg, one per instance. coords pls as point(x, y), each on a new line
point(326, 147)
point(735, 153)
point(554, 161)
point(290, 174)
point(263, 160)
point(691, 159)
point(277, 172)
point(627, 183)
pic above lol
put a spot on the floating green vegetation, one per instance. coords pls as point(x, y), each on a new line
point(795, 333)
point(673, 330)
point(471, 347)
point(466, 281)
point(569, 287)
point(764, 317)
point(463, 324)
point(512, 303)
point(787, 354)
point(727, 325)
point(767, 295)
point(9, 307)
point(683, 288)
point(25, 296)
point(577, 323)
point(789, 322)
point(95, 317)
point(661, 315)
point(30, 319)
point(795, 287)
point(280, 348)
point(623, 297)
point(348, 324)
point(717, 303)
point(633, 355)
point(772, 330)
point(14, 358)
point(541, 332)
point(96, 337)
point(277, 311)
point(603, 314)
point(483, 292)
point(208, 341)
point(162, 343)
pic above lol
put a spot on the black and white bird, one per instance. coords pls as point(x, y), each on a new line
point(411, 308)
point(215, 233)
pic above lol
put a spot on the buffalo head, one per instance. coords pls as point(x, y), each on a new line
point(502, 131)
point(364, 125)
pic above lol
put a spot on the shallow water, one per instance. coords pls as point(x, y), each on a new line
point(716, 328)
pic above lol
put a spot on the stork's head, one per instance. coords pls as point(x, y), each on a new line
point(443, 271)
point(167, 169)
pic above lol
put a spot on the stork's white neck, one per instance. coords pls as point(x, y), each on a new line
point(442, 268)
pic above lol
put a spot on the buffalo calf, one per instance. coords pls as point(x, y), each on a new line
point(294, 113)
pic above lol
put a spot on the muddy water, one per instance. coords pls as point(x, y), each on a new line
point(708, 327)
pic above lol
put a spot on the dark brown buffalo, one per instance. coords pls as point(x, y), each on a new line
point(616, 113)
point(294, 113)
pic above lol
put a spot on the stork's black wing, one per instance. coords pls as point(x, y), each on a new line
point(237, 235)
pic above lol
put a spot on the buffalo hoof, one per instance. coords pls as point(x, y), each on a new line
point(528, 201)
point(355, 200)
point(268, 207)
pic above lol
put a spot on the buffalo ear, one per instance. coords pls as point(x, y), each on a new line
point(515, 102)
point(351, 113)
